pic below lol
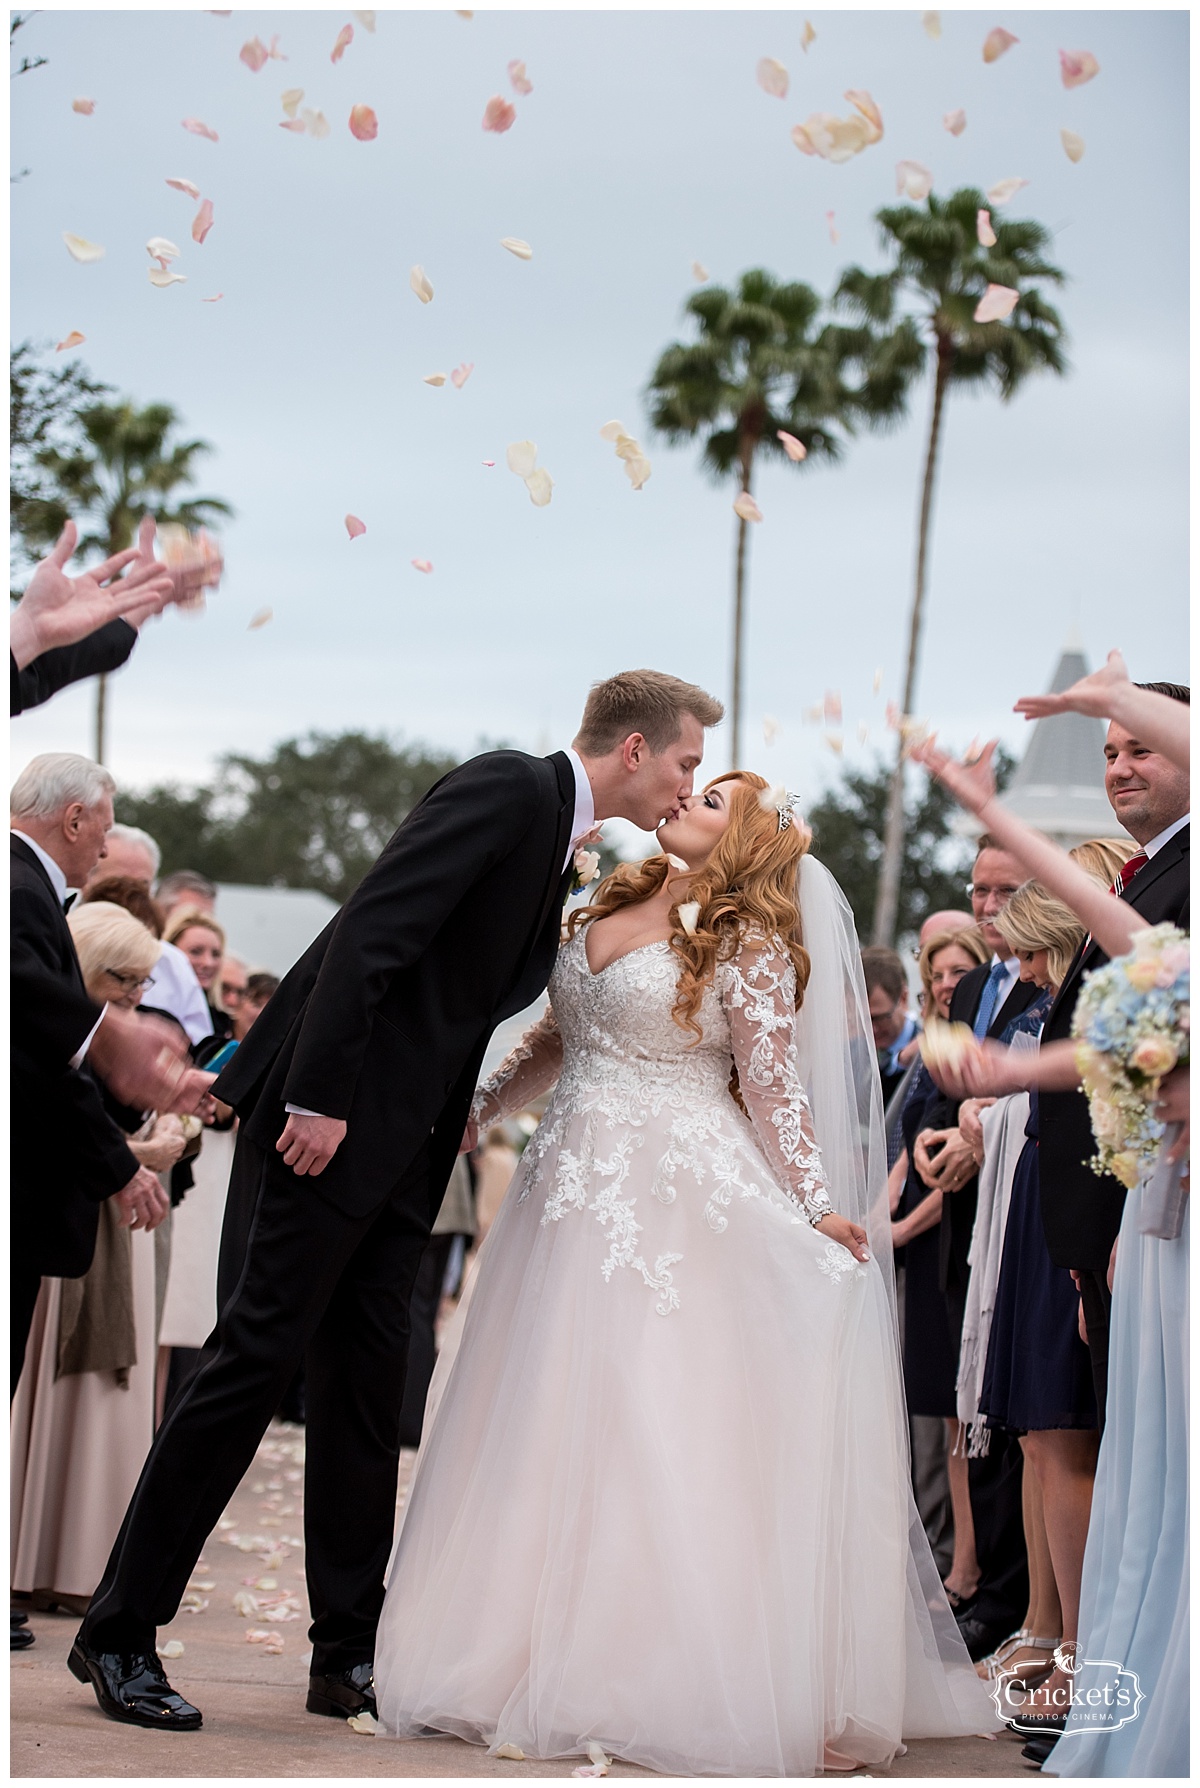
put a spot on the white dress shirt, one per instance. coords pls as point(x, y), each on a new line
point(177, 991)
point(1164, 837)
point(58, 882)
point(1012, 976)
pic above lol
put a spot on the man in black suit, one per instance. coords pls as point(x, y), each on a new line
point(353, 1089)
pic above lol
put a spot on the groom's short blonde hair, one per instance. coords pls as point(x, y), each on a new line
point(642, 701)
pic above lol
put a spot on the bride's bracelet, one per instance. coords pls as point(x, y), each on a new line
point(817, 1206)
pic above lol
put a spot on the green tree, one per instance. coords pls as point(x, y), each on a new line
point(940, 268)
point(849, 827)
point(765, 361)
point(314, 813)
point(45, 399)
point(126, 466)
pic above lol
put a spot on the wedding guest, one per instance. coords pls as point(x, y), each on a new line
point(130, 852)
point(231, 987)
point(83, 1417)
point(202, 940)
point(186, 888)
point(134, 896)
point(259, 988)
point(892, 1025)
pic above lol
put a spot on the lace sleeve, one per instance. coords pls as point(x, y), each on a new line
point(529, 1069)
point(760, 1000)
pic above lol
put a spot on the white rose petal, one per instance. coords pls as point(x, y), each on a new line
point(612, 431)
point(984, 230)
point(539, 484)
point(434, 379)
point(515, 246)
point(674, 861)
point(699, 272)
point(772, 77)
point(172, 1649)
point(913, 180)
point(419, 281)
point(164, 276)
point(955, 122)
point(363, 1723)
point(1073, 144)
point(689, 915)
point(521, 457)
point(511, 1753)
point(162, 249)
point(997, 303)
point(1004, 190)
point(747, 508)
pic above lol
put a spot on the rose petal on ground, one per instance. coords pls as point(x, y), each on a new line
point(70, 341)
point(511, 1753)
point(984, 230)
point(515, 246)
point(997, 303)
point(1077, 67)
point(253, 54)
point(1004, 190)
point(162, 249)
point(498, 115)
point(795, 450)
point(434, 379)
point(363, 124)
point(540, 485)
point(187, 186)
point(202, 223)
point(913, 180)
point(521, 457)
point(345, 38)
point(518, 79)
point(699, 272)
point(85, 107)
point(689, 915)
point(364, 1723)
point(274, 1644)
point(296, 124)
point(833, 235)
point(80, 249)
point(259, 618)
point(366, 20)
point(354, 527)
point(997, 42)
point(291, 99)
point(955, 122)
point(244, 1603)
point(745, 506)
point(419, 281)
point(172, 1649)
point(461, 374)
point(1073, 144)
point(862, 102)
point(772, 77)
point(166, 276)
point(199, 129)
point(807, 36)
point(932, 22)
point(425, 565)
point(589, 1769)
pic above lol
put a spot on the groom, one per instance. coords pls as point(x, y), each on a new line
point(353, 1091)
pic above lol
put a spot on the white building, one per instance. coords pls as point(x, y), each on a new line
point(271, 928)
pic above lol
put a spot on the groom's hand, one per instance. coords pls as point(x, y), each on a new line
point(308, 1144)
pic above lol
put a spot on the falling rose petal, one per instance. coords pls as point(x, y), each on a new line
point(419, 282)
point(345, 38)
point(461, 374)
point(772, 77)
point(162, 249)
point(295, 124)
point(521, 458)
point(770, 728)
point(518, 79)
point(80, 249)
point(291, 99)
point(747, 508)
point(932, 22)
point(699, 272)
point(1073, 144)
point(172, 1649)
point(199, 129)
point(834, 742)
point(832, 707)
point(316, 123)
point(165, 276)
point(363, 124)
point(1004, 190)
point(637, 469)
point(253, 54)
point(434, 379)
point(997, 303)
point(877, 681)
point(612, 431)
point(833, 235)
point(836, 139)
point(425, 565)
point(202, 223)
point(795, 450)
point(689, 917)
point(997, 42)
point(913, 180)
point(540, 485)
point(955, 122)
point(71, 341)
point(489, 462)
point(187, 186)
point(498, 115)
point(627, 447)
point(1077, 67)
point(275, 53)
point(863, 731)
point(674, 861)
point(515, 246)
point(984, 230)
point(85, 107)
point(862, 102)
point(366, 20)
point(354, 527)
point(260, 618)
point(807, 36)
point(215, 299)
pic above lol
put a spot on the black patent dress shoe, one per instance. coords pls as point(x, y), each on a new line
point(132, 1686)
point(20, 1638)
point(341, 1693)
point(1039, 1748)
point(981, 1636)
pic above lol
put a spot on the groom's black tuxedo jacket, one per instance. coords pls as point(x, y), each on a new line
point(385, 1019)
point(1081, 1210)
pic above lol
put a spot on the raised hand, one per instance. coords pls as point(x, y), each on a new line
point(57, 610)
point(973, 785)
point(1091, 695)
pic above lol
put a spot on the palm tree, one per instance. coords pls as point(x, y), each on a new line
point(939, 262)
point(764, 363)
point(127, 468)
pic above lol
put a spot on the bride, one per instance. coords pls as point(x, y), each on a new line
point(662, 1502)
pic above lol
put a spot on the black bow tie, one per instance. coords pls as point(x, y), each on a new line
point(69, 902)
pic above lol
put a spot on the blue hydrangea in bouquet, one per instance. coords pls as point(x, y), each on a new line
point(1132, 1025)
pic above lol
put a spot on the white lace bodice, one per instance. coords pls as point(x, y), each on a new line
point(609, 1041)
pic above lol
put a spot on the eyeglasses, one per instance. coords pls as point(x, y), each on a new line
point(230, 990)
point(130, 983)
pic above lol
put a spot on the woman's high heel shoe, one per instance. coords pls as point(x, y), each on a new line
point(997, 1665)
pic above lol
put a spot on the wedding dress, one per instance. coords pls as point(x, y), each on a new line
point(662, 1502)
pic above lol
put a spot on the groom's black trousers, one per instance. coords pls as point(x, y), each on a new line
point(299, 1280)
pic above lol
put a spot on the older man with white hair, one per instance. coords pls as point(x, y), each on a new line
point(130, 851)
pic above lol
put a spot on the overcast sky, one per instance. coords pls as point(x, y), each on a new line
point(645, 145)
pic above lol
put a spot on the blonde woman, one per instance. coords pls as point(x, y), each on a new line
point(202, 941)
point(662, 1503)
point(83, 1415)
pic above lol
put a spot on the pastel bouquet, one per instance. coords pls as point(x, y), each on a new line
point(1132, 1025)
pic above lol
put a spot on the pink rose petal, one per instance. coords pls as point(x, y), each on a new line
point(997, 303)
point(862, 102)
point(215, 299)
point(202, 223)
point(489, 462)
point(259, 619)
point(85, 107)
point(833, 235)
point(253, 54)
point(354, 527)
point(294, 124)
point(997, 42)
point(70, 341)
point(498, 115)
point(913, 180)
point(1004, 190)
point(518, 79)
point(772, 77)
point(187, 186)
point(345, 38)
point(425, 565)
point(747, 508)
point(461, 374)
point(199, 129)
point(1077, 67)
point(955, 122)
point(275, 53)
point(984, 230)
point(364, 124)
point(795, 450)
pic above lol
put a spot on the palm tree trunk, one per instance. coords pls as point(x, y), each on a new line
point(739, 620)
point(888, 898)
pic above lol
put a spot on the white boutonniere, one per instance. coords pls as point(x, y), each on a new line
point(586, 863)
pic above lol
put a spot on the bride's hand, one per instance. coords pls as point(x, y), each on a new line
point(851, 1235)
point(973, 785)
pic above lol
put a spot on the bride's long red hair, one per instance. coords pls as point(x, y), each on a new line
point(748, 885)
